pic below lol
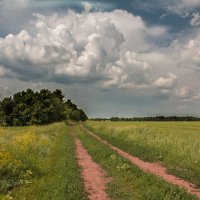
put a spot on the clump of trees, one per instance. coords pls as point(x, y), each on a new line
point(38, 108)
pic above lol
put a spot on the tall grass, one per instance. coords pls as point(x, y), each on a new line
point(174, 144)
point(38, 163)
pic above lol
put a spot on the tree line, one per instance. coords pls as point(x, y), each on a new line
point(157, 118)
point(38, 108)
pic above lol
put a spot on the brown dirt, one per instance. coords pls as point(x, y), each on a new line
point(153, 168)
point(94, 177)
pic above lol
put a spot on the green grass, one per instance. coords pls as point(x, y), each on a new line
point(128, 181)
point(38, 163)
point(176, 145)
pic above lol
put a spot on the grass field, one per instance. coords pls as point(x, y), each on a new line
point(128, 181)
point(38, 163)
point(174, 144)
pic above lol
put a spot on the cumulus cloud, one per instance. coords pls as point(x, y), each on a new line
point(185, 9)
point(83, 46)
point(166, 82)
point(111, 49)
point(136, 31)
point(129, 72)
point(87, 6)
point(166, 85)
point(195, 21)
point(185, 50)
point(184, 93)
point(102, 52)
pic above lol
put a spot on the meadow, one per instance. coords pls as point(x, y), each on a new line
point(175, 145)
point(39, 163)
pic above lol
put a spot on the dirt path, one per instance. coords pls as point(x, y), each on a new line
point(94, 177)
point(153, 168)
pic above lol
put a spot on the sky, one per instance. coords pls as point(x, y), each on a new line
point(120, 58)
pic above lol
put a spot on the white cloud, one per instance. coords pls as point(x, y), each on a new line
point(186, 50)
point(135, 30)
point(185, 94)
point(87, 6)
point(111, 49)
point(62, 46)
point(129, 72)
point(185, 9)
point(103, 49)
point(195, 21)
point(181, 7)
point(166, 82)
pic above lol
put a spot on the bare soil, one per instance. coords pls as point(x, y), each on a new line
point(94, 177)
point(153, 168)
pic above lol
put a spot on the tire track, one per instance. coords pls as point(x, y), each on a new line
point(94, 177)
point(152, 168)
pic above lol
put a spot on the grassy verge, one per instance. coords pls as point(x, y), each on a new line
point(129, 182)
point(174, 144)
point(39, 164)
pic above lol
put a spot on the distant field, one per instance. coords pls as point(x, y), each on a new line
point(174, 144)
point(38, 163)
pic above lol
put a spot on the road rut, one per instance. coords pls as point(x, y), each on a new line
point(153, 168)
point(94, 177)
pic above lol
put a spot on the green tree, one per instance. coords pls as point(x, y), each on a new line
point(43, 107)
